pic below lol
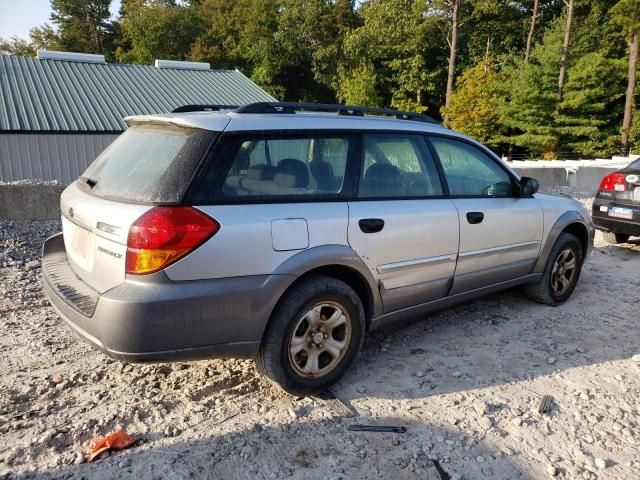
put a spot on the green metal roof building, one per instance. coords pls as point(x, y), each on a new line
point(60, 110)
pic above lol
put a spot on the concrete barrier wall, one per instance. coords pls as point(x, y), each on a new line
point(30, 202)
point(548, 177)
point(584, 179)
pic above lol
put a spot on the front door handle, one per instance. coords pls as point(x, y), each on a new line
point(371, 225)
point(475, 217)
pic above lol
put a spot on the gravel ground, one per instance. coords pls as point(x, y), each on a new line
point(466, 384)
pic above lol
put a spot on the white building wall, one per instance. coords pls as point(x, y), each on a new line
point(45, 156)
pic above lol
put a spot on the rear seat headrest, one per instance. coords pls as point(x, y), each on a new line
point(292, 173)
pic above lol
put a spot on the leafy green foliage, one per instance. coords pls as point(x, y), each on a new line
point(591, 105)
point(390, 53)
point(474, 105)
point(153, 29)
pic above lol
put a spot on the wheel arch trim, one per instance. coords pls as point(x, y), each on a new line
point(326, 256)
point(565, 220)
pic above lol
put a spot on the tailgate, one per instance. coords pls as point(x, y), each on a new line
point(95, 236)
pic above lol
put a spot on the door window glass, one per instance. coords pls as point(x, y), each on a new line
point(272, 167)
point(470, 172)
point(398, 166)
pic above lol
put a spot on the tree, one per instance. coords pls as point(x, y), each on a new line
point(152, 29)
point(358, 87)
point(394, 50)
point(453, 44)
point(82, 25)
point(17, 46)
point(474, 103)
point(587, 120)
point(626, 13)
point(534, 17)
point(565, 53)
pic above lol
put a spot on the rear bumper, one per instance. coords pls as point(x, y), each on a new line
point(152, 318)
point(617, 225)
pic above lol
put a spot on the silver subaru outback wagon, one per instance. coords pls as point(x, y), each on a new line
point(285, 232)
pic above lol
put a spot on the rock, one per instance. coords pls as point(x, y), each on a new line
point(457, 374)
point(481, 408)
point(480, 458)
point(420, 374)
point(32, 265)
point(636, 358)
point(552, 470)
point(600, 463)
point(485, 422)
point(551, 360)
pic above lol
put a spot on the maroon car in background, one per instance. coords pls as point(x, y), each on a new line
point(616, 207)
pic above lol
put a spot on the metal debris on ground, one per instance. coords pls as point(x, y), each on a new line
point(376, 428)
point(545, 404)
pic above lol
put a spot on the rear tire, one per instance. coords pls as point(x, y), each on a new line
point(313, 337)
point(561, 272)
point(615, 238)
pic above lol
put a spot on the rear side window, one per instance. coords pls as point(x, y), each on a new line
point(148, 163)
point(469, 171)
point(398, 166)
point(275, 167)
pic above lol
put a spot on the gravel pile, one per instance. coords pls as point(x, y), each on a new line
point(466, 383)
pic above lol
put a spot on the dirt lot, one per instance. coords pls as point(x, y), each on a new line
point(466, 384)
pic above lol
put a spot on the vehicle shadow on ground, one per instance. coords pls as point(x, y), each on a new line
point(323, 449)
point(501, 339)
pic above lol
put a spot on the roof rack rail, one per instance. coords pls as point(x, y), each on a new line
point(203, 108)
point(293, 107)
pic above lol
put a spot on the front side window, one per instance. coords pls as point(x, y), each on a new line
point(397, 165)
point(469, 171)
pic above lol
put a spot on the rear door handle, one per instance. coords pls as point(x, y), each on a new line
point(475, 217)
point(371, 225)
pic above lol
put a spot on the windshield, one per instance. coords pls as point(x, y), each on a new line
point(148, 163)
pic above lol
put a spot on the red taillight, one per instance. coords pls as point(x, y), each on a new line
point(165, 234)
point(614, 182)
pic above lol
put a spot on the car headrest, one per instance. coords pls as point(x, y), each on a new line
point(381, 179)
point(292, 173)
point(323, 173)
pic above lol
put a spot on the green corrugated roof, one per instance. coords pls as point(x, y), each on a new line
point(55, 95)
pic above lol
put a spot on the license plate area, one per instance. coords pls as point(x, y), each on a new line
point(618, 212)
point(79, 244)
point(636, 194)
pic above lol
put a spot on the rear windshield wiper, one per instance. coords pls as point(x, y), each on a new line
point(89, 181)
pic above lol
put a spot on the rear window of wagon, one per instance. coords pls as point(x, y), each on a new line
point(148, 164)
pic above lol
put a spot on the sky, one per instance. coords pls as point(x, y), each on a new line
point(17, 17)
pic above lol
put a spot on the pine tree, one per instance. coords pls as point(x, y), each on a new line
point(626, 14)
point(82, 25)
point(592, 104)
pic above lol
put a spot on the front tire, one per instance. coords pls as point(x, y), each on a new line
point(313, 337)
point(561, 272)
point(615, 238)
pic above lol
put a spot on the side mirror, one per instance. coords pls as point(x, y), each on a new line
point(528, 186)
